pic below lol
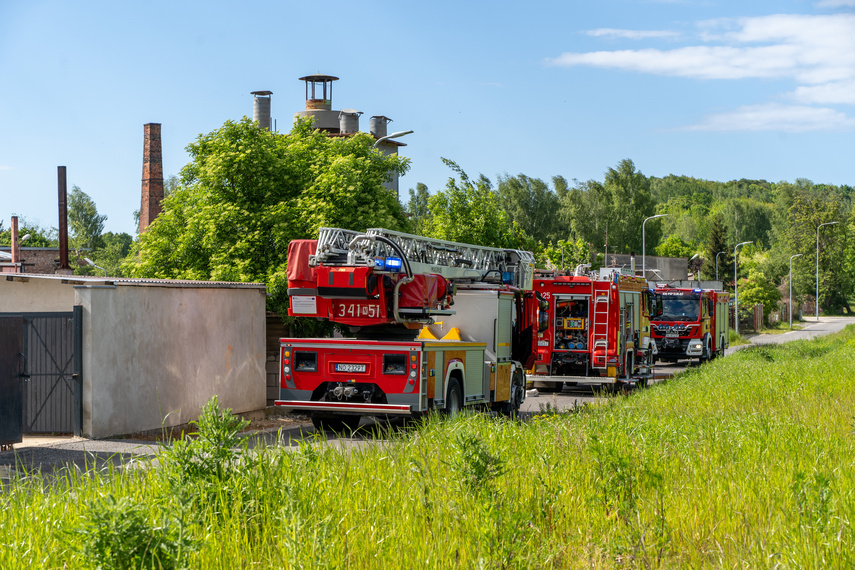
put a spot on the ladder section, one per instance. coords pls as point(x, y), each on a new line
point(450, 259)
point(600, 328)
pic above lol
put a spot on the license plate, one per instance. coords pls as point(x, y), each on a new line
point(672, 335)
point(350, 368)
point(357, 310)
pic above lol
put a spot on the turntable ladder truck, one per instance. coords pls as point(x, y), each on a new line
point(436, 325)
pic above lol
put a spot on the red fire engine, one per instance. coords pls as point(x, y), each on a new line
point(437, 325)
point(694, 323)
point(596, 330)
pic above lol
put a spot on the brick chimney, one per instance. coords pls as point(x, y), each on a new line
point(152, 176)
point(16, 247)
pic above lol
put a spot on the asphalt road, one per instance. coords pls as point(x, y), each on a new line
point(49, 455)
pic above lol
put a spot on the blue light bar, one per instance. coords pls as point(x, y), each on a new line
point(393, 264)
point(507, 277)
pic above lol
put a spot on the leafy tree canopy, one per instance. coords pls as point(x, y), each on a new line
point(470, 212)
point(83, 220)
point(675, 246)
point(758, 289)
point(248, 192)
point(39, 237)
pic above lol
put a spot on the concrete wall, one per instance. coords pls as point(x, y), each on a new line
point(154, 355)
point(21, 294)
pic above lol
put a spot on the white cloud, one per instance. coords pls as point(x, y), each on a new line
point(816, 53)
point(835, 4)
point(776, 117)
point(832, 93)
point(4, 167)
point(631, 34)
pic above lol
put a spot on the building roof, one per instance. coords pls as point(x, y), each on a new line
point(128, 282)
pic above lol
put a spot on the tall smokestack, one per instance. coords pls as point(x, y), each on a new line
point(152, 176)
point(63, 220)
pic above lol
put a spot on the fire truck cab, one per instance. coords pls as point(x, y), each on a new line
point(694, 323)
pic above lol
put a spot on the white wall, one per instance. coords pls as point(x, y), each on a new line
point(35, 295)
point(154, 355)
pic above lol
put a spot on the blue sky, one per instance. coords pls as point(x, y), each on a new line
point(718, 90)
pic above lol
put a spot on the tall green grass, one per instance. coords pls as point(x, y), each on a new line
point(744, 462)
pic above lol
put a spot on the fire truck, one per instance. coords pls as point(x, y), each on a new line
point(595, 330)
point(436, 325)
point(694, 323)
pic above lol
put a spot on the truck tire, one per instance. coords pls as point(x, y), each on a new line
point(511, 408)
point(335, 423)
point(453, 398)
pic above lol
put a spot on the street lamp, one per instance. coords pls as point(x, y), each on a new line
point(735, 289)
point(716, 264)
point(392, 136)
point(644, 244)
point(791, 288)
point(817, 265)
point(92, 263)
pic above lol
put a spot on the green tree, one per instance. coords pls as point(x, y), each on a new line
point(585, 210)
point(717, 244)
point(631, 203)
point(248, 192)
point(530, 203)
point(39, 237)
point(809, 209)
point(675, 246)
point(565, 254)
point(111, 256)
point(85, 223)
point(417, 208)
point(758, 289)
point(469, 212)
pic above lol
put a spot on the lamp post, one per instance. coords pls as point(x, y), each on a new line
point(92, 263)
point(644, 244)
point(735, 289)
point(716, 264)
point(791, 288)
point(392, 136)
point(817, 265)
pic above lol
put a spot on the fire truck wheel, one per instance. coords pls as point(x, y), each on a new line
point(511, 408)
point(707, 355)
point(454, 398)
point(338, 424)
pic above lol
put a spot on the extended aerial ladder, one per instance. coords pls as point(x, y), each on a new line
point(415, 275)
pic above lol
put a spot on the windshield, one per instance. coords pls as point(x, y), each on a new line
point(680, 307)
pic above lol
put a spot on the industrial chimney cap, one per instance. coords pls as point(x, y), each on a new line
point(319, 77)
point(261, 93)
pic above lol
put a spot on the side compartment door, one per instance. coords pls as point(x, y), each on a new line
point(11, 380)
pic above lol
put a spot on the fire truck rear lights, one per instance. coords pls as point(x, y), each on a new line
point(286, 370)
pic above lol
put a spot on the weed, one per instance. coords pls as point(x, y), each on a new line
point(117, 534)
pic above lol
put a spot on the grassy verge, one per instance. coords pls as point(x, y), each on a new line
point(736, 339)
point(746, 461)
